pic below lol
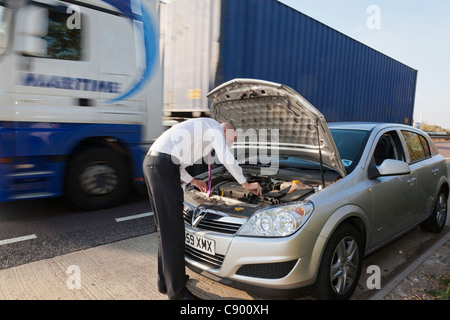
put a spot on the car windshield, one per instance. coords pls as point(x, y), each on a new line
point(350, 144)
point(5, 14)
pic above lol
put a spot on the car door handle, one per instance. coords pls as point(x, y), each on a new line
point(411, 181)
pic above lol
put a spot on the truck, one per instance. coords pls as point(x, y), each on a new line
point(206, 43)
point(87, 85)
point(80, 95)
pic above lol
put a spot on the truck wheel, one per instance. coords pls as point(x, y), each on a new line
point(97, 178)
point(436, 222)
point(341, 265)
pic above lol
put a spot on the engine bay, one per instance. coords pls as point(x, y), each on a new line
point(274, 191)
point(287, 185)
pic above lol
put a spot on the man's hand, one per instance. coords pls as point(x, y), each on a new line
point(200, 184)
point(254, 187)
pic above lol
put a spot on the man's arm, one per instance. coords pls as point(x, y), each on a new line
point(227, 159)
point(187, 178)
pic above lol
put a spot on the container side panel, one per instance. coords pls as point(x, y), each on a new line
point(345, 79)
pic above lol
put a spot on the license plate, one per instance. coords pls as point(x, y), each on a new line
point(200, 243)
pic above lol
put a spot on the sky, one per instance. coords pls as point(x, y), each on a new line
point(414, 32)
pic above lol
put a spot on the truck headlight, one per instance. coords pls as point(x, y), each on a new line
point(279, 221)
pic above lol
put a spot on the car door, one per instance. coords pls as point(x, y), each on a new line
point(393, 197)
point(425, 168)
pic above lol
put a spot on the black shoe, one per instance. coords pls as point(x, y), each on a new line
point(162, 287)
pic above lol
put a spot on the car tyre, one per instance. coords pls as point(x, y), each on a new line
point(436, 222)
point(97, 178)
point(341, 264)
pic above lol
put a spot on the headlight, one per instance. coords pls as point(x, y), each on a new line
point(279, 221)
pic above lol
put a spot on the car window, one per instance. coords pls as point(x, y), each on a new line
point(388, 147)
point(350, 144)
point(433, 150)
point(425, 145)
point(418, 147)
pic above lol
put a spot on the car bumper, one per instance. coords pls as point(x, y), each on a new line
point(276, 263)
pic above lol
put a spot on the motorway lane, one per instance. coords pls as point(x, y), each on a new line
point(52, 227)
point(444, 149)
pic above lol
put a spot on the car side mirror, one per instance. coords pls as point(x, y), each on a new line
point(389, 167)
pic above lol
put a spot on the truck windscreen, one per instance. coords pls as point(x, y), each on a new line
point(5, 17)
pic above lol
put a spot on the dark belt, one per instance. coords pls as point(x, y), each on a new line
point(165, 156)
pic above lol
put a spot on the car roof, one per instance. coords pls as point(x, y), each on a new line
point(365, 126)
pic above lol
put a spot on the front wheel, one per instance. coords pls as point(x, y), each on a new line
point(97, 178)
point(341, 265)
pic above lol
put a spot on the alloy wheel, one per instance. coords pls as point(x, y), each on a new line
point(344, 265)
point(441, 209)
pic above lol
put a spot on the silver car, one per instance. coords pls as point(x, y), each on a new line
point(332, 193)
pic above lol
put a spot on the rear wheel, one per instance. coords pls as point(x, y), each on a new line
point(341, 265)
point(97, 178)
point(436, 222)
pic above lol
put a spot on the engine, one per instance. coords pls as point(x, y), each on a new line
point(273, 191)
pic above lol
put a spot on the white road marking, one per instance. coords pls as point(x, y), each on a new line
point(136, 216)
point(12, 240)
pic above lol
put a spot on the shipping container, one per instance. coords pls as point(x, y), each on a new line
point(208, 42)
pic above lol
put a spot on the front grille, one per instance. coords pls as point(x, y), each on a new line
point(267, 270)
point(213, 261)
point(210, 222)
point(217, 226)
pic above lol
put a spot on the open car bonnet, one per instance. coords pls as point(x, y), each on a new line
point(283, 121)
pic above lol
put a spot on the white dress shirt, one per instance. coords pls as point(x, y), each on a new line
point(191, 141)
